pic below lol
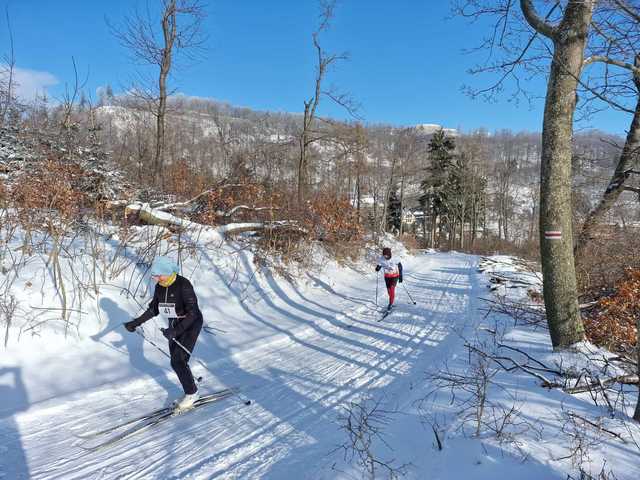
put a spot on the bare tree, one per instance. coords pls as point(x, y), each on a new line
point(614, 45)
point(408, 147)
point(181, 29)
point(569, 38)
point(7, 74)
point(477, 149)
point(325, 60)
point(561, 34)
point(364, 423)
point(70, 98)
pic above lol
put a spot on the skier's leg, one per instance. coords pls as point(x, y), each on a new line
point(388, 281)
point(180, 358)
point(392, 289)
point(189, 337)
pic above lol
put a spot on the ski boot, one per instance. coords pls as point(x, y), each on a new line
point(186, 402)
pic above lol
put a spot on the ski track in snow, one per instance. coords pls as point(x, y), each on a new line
point(297, 378)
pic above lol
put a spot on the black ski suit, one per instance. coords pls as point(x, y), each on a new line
point(185, 328)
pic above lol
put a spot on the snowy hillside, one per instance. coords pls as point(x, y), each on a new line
point(336, 393)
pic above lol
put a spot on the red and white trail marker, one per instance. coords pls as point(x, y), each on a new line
point(553, 234)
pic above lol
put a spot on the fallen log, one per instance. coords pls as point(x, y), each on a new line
point(153, 216)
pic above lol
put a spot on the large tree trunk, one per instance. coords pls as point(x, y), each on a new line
point(302, 170)
point(560, 291)
point(628, 158)
point(304, 142)
point(169, 31)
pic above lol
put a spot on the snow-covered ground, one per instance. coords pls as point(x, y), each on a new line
point(310, 355)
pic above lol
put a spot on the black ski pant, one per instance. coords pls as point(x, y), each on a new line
point(180, 358)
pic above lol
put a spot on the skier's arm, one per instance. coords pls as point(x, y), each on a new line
point(191, 309)
point(150, 312)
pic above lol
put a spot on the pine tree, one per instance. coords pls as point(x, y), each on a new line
point(83, 102)
point(109, 94)
point(394, 211)
point(434, 201)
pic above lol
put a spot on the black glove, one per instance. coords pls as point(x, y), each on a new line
point(169, 333)
point(378, 267)
point(131, 326)
point(400, 279)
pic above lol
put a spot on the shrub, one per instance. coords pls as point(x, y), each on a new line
point(3, 194)
point(256, 203)
point(52, 186)
point(492, 245)
point(606, 261)
point(612, 324)
point(410, 242)
point(183, 180)
point(332, 219)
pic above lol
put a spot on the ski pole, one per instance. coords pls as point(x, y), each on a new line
point(407, 290)
point(144, 337)
point(377, 282)
point(138, 331)
point(183, 347)
point(244, 399)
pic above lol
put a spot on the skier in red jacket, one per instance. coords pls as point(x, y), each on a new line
point(392, 273)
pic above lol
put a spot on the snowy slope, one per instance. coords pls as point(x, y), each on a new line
point(303, 353)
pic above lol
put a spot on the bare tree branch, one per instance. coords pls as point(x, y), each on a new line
point(539, 24)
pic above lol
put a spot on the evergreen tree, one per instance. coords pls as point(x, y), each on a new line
point(105, 95)
point(83, 102)
point(434, 199)
point(394, 211)
point(109, 94)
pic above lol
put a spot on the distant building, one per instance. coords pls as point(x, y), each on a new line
point(431, 128)
point(408, 217)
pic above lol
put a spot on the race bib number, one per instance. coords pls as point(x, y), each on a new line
point(167, 310)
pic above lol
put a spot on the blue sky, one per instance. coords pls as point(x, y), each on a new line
point(406, 62)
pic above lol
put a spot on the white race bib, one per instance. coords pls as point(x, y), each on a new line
point(167, 310)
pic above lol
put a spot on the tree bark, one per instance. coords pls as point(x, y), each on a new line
point(558, 270)
point(169, 32)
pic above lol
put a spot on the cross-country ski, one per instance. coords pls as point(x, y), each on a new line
point(140, 424)
point(386, 312)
